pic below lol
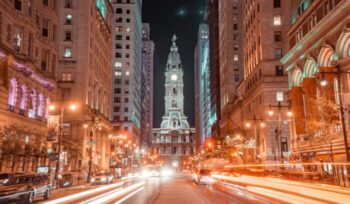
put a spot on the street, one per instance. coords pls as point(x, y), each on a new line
point(182, 189)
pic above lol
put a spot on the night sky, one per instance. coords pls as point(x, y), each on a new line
point(167, 17)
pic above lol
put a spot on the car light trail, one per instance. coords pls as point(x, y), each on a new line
point(85, 193)
point(113, 195)
point(128, 196)
point(297, 189)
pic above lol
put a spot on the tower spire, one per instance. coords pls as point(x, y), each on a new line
point(174, 60)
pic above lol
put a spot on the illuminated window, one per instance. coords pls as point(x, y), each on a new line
point(66, 76)
point(69, 19)
point(117, 73)
point(67, 52)
point(277, 20)
point(117, 64)
point(235, 57)
point(127, 29)
point(127, 73)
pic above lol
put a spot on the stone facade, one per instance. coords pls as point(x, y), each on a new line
point(175, 139)
point(85, 78)
point(319, 39)
point(265, 26)
point(28, 54)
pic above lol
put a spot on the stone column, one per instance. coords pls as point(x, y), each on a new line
point(309, 86)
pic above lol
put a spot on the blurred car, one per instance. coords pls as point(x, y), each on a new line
point(24, 188)
point(4, 177)
point(67, 179)
point(202, 176)
point(102, 178)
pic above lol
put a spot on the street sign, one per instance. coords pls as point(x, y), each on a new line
point(279, 96)
point(92, 142)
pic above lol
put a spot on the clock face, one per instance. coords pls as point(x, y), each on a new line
point(173, 77)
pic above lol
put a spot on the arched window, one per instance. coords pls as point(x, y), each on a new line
point(119, 10)
point(41, 106)
point(12, 95)
point(174, 91)
point(23, 102)
point(32, 104)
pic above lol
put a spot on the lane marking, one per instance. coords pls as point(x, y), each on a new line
point(130, 195)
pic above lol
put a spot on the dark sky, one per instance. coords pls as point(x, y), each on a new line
point(167, 17)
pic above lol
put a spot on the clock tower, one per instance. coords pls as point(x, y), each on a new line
point(174, 141)
point(174, 98)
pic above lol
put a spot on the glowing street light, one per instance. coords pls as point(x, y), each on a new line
point(248, 125)
point(52, 107)
point(85, 125)
point(270, 112)
point(73, 106)
point(289, 113)
point(262, 125)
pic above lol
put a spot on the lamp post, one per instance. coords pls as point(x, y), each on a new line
point(256, 134)
point(278, 130)
point(95, 123)
point(52, 107)
point(323, 82)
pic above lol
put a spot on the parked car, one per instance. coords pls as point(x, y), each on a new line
point(202, 176)
point(25, 188)
point(102, 178)
point(4, 177)
point(67, 179)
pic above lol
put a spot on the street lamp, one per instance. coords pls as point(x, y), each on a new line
point(52, 107)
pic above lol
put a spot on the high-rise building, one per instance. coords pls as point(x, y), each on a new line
point(230, 17)
point(205, 117)
point(127, 63)
point(28, 55)
point(319, 53)
point(213, 21)
point(85, 78)
point(174, 141)
point(147, 86)
point(260, 111)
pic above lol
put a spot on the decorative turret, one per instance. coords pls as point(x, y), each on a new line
point(174, 61)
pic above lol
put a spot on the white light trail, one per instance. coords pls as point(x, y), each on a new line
point(85, 193)
point(128, 196)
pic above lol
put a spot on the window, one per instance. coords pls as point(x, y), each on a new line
point(46, 2)
point(117, 73)
point(116, 118)
point(127, 73)
point(66, 76)
point(235, 6)
point(118, 37)
point(126, 109)
point(118, 46)
point(235, 37)
point(119, 20)
point(235, 67)
point(45, 28)
point(18, 5)
point(235, 58)
point(235, 47)
point(66, 93)
point(68, 36)
point(117, 64)
point(117, 90)
point(69, 19)
point(119, 10)
point(118, 29)
point(128, 11)
point(68, 4)
point(127, 55)
point(235, 26)
point(127, 82)
point(126, 100)
point(277, 3)
point(278, 36)
point(127, 37)
point(116, 108)
point(235, 17)
point(278, 53)
point(236, 77)
point(117, 81)
point(127, 46)
point(277, 20)
point(117, 100)
point(118, 55)
point(67, 52)
point(128, 20)
point(279, 70)
point(127, 29)
point(126, 118)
